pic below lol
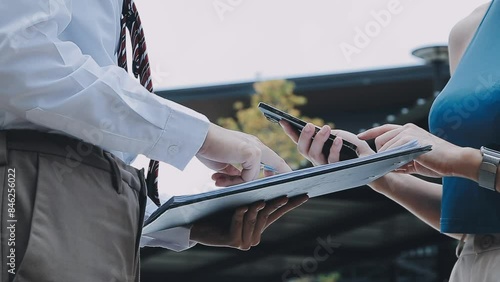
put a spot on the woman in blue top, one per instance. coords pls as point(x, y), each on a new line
point(464, 117)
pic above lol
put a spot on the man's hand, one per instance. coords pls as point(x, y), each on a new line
point(243, 229)
point(223, 148)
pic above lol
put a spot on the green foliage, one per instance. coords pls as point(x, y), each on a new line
point(278, 93)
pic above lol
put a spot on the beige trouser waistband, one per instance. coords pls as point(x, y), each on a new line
point(479, 243)
point(73, 152)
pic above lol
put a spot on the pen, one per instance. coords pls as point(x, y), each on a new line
point(268, 167)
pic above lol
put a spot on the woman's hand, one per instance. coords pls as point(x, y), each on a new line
point(311, 149)
point(441, 161)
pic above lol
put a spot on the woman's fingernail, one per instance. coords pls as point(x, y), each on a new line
point(323, 131)
point(308, 128)
point(337, 141)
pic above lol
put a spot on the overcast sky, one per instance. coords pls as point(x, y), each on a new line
point(203, 42)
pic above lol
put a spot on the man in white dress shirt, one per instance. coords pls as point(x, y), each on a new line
point(71, 121)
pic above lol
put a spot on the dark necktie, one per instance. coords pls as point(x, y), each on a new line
point(140, 67)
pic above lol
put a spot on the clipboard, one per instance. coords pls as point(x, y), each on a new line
point(313, 181)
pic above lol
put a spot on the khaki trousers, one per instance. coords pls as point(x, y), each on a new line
point(479, 260)
point(69, 211)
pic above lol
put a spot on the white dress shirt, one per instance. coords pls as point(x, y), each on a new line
point(58, 73)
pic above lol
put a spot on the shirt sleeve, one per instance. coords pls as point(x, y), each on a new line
point(175, 239)
point(51, 83)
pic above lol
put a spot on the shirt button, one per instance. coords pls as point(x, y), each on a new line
point(173, 149)
point(487, 241)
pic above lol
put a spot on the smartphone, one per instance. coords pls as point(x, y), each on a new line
point(348, 150)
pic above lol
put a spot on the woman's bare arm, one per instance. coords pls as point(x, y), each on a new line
point(462, 33)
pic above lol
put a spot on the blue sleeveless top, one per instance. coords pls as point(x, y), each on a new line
point(467, 113)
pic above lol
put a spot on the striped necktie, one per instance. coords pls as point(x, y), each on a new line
point(140, 67)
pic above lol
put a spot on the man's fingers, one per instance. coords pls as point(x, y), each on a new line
point(377, 131)
point(249, 224)
point(237, 224)
point(230, 170)
point(270, 158)
point(224, 180)
point(268, 173)
point(223, 147)
point(214, 165)
point(255, 153)
point(263, 216)
point(251, 160)
point(227, 177)
point(292, 204)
